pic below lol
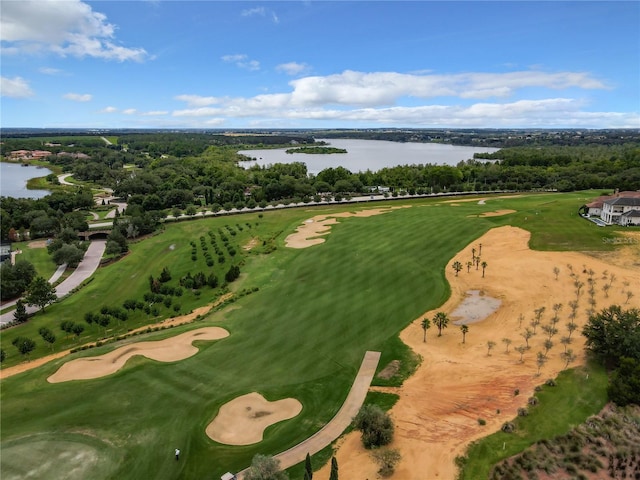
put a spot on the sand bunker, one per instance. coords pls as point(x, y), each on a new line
point(457, 383)
point(168, 350)
point(474, 308)
point(311, 231)
point(497, 213)
point(242, 421)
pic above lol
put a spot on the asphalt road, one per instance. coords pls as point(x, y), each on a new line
point(85, 269)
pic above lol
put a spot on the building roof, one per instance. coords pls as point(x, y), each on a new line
point(624, 201)
point(631, 214)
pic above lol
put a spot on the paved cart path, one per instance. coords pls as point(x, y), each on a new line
point(339, 422)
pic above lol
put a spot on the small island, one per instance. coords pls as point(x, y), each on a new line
point(316, 150)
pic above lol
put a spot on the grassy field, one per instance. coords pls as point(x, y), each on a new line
point(302, 334)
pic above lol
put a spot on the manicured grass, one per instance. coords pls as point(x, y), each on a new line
point(580, 393)
point(302, 334)
point(39, 258)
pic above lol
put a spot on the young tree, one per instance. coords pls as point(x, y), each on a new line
point(484, 266)
point(3, 355)
point(507, 342)
point(521, 349)
point(426, 324)
point(264, 467)
point(556, 272)
point(40, 293)
point(540, 361)
point(48, 336)
point(527, 334)
point(441, 320)
point(464, 329)
point(568, 357)
point(571, 327)
point(520, 320)
point(20, 314)
point(77, 329)
point(24, 345)
point(376, 426)
point(334, 469)
point(566, 341)
point(308, 469)
point(469, 265)
point(490, 345)
point(457, 266)
point(387, 459)
point(629, 296)
point(548, 345)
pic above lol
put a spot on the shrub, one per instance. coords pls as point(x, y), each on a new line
point(482, 421)
point(508, 427)
point(376, 426)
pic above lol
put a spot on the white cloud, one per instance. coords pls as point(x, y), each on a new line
point(154, 113)
point(50, 71)
point(381, 98)
point(242, 61)
point(250, 12)
point(78, 97)
point(293, 68)
point(109, 110)
point(66, 27)
point(197, 101)
point(129, 111)
point(16, 87)
point(260, 11)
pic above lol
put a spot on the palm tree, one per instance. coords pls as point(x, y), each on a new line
point(490, 345)
point(469, 265)
point(507, 342)
point(426, 324)
point(441, 320)
point(484, 265)
point(464, 329)
point(457, 266)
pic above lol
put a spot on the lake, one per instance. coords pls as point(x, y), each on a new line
point(371, 155)
point(14, 177)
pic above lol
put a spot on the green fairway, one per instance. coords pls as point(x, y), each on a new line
point(302, 334)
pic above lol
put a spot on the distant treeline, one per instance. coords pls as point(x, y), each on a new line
point(177, 172)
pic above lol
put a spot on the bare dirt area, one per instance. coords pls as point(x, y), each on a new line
point(497, 213)
point(37, 244)
point(168, 350)
point(437, 414)
point(242, 421)
point(311, 231)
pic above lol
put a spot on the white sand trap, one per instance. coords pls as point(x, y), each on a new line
point(168, 350)
point(242, 421)
point(311, 231)
point(474, 308)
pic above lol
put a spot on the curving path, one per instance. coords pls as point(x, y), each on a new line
point(84, 270)
point(338, 423)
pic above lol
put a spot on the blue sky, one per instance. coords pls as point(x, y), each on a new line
point(320, 64)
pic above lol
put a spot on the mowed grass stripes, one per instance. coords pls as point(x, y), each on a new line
point(302, 335)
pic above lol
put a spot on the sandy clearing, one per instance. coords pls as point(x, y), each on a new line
point(311, 231)
point(496, 213)
point(37, 244)
point(243, 420)
point(456, 384)
point(480, 199)
point(168, 350)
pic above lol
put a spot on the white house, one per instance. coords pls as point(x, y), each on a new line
point(621, 211)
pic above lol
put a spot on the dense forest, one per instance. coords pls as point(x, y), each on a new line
point(188, 171)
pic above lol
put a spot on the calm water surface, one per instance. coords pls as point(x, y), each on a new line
point(14, 177)
point(369, 155)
